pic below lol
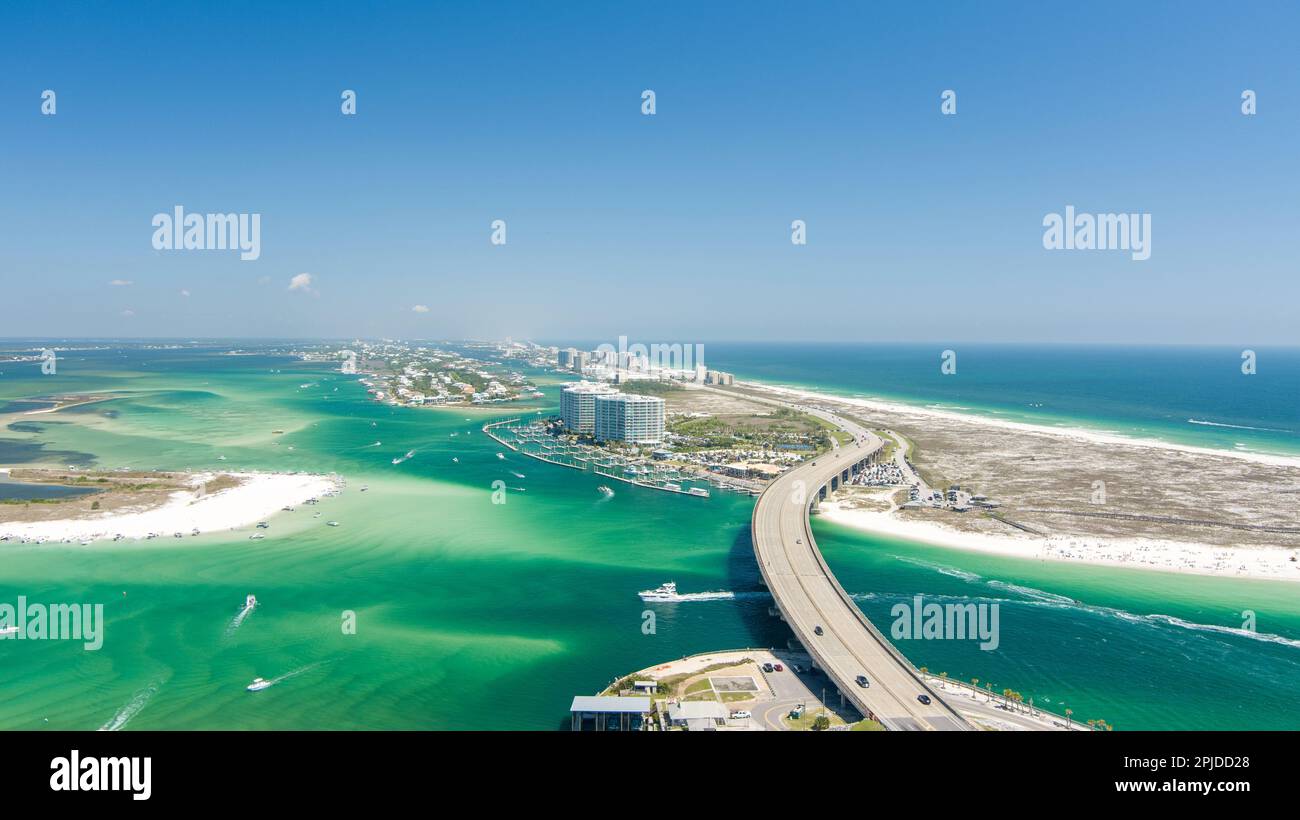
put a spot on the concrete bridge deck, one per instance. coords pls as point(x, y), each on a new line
point(809, 597)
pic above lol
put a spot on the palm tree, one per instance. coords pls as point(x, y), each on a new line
point(975, 682)
point(1068, 712)
point(944, 676)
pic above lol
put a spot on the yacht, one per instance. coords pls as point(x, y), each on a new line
point(665, 592)
point(332, 523)
point(258, 685)
point(700, 491)
point(250, 602)
point(500, 456)
point(668, 592)
point(256, 536)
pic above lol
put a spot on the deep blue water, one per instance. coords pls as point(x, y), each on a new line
point(1191, 395)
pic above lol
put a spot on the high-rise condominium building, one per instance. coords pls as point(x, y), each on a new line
point(578, 406)
point(629, 418)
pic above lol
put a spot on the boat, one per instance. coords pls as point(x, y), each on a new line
point(258, 685)
point(665, 592)
point(700, 491)
point(455, 460)
point(262, 525)
point(668, 592)
point(256, 536)
point(500, 456)
point(332, 523)
point(606, 491)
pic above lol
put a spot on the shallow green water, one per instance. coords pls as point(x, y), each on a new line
point(475, 615)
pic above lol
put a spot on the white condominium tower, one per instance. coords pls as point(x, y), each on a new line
point(578, 406)
point(629, 418)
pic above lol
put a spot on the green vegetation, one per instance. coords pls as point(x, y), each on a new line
point(754, 431)
point(701, 685)
point(645, 387)
point(867, 726)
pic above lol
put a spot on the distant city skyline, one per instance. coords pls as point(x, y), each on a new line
point(921, 226)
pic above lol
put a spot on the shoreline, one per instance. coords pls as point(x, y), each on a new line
point(256, 498)
point(1261, 564)
point(1130, 552)
point(1075, 433)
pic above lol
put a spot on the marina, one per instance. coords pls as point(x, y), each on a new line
point(533, 441)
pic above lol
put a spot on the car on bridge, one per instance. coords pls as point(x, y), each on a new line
point(863, 682)
point(817, 629)
point(925, 699)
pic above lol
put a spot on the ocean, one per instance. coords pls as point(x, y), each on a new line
point(477, 615)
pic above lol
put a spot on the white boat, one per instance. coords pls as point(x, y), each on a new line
point(332, 523)
point(258, 685)
point(665, 592)
point(455, 460)
point(250, 602)
point(605, 491)
point(668, 592)
point(501, 456)
point(700, 491)
point(256, 536)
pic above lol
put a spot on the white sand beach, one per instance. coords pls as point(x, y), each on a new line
point(257, 497)
point(1134, 553)
point(1260, 557)
point(1074, 433)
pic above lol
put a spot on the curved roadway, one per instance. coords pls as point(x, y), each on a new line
point(809, 597)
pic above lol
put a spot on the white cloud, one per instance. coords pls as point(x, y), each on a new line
point(184, 292)
point(128, 313)
point(421, 308)
point(120, 283)
point(302, 283)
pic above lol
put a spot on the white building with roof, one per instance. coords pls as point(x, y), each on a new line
point(629, 418)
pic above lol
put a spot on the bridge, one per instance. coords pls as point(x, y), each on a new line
point(840, 639)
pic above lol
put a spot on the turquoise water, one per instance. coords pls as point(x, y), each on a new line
point(475, 615)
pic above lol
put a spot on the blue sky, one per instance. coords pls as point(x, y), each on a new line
point(676, 226)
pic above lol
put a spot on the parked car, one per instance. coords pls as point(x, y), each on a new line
point(779, 667)
point(863, 682)
point(817, 629)
point(767, 667)
point(741, 715)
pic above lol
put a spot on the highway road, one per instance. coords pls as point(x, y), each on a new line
point(810, 598)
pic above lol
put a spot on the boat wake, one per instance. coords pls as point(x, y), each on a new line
point(400, 459)
point(250, 603)
point(1226, 630)
point(1030, 592)
point(131, 708)
point(1237, 426)
point(267, 684)
point(668, 594)
point(517, 475)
